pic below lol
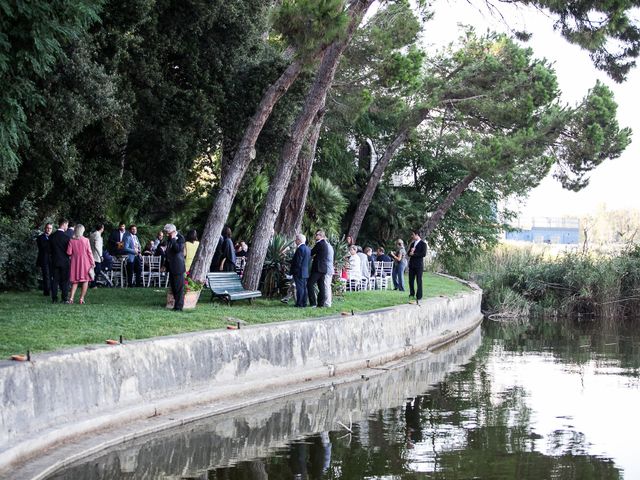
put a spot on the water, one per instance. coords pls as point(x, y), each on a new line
point(545, 400)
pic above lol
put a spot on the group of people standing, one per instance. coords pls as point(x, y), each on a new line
point(362, 263)
point(311, 267)
point(69, 260)
point(66, 260)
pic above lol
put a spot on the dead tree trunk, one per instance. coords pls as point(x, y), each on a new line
point(314, 100)
point(432, 222)
point(292, 211)
point(233, 176)
point(378, 171)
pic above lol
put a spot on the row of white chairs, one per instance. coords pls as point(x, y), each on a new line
point(380, 280)
point(152, 273)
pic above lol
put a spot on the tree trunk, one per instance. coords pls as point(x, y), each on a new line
point(226, 159)
point(433, 221)
point(292, 211)
point(314, 100)
point(378, 171)
point(232, 178)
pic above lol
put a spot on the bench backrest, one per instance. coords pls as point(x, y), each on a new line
point(224, 282)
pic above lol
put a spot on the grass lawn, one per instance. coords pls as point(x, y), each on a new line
point(28, 320)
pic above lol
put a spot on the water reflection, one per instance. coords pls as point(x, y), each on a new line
point(546, 400)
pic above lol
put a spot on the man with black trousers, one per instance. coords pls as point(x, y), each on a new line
point(300, 269)
point(60, 265)
point(174, 262)
point(319, 268)
point(44, 259)
point(417, 252)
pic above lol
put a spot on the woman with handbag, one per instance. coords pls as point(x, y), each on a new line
point(82, 263)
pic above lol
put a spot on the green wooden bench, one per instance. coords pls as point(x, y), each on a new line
point(227, 286)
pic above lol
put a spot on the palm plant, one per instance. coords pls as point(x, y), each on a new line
point(276, 265)
point(325, 207)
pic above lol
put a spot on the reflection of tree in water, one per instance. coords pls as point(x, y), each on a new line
point(574, 342)
point(304, 459)
point(463, 428)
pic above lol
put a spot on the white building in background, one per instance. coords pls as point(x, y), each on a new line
point(564, 231)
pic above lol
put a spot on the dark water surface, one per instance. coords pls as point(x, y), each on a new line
point(542, 400)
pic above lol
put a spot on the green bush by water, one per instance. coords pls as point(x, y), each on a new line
point(522, 280)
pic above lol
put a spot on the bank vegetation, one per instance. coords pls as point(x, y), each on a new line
point(521, 281)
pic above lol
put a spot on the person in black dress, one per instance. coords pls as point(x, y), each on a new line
point(228, 252)
point(44, 259)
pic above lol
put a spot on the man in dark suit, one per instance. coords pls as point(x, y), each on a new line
point(320, 254)
point(417, 252)
point(381, 256)
point(115, 244)
point(44, 260)
point(300, 270)
point(58, 242)
point(175, 264)
point(71, 228)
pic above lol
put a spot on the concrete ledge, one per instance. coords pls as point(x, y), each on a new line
point(73, 392)
point(254, 428)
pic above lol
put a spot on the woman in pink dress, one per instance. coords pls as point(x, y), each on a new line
point(81, 262)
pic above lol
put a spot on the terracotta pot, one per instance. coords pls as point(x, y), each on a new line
point(190, 299)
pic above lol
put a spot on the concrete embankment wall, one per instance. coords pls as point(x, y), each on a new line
point(194, 449)
point(67, 393)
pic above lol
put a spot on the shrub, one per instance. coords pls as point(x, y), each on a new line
point(569, 283)
point(276, 265)
point(19, 252)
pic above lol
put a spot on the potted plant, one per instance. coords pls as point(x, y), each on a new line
point(192, 289)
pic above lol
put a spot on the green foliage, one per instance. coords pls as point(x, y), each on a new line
point(591, 136)
point(570, 283)
point(403, 69)
point(392, 215)
point(32, 37)
point(192, 285)
point(19, 252)
point(306, 24)
point(325, 207)
point(248, 205)
point(276, 265)
point(340, 251)
point(133, 103)
point(607, 29)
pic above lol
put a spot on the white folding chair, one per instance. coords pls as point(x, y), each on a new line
point(151, 270)
point(377, 275)
point(354, 282)
point(118, 271)
point(383, 275)
point(387, 269)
